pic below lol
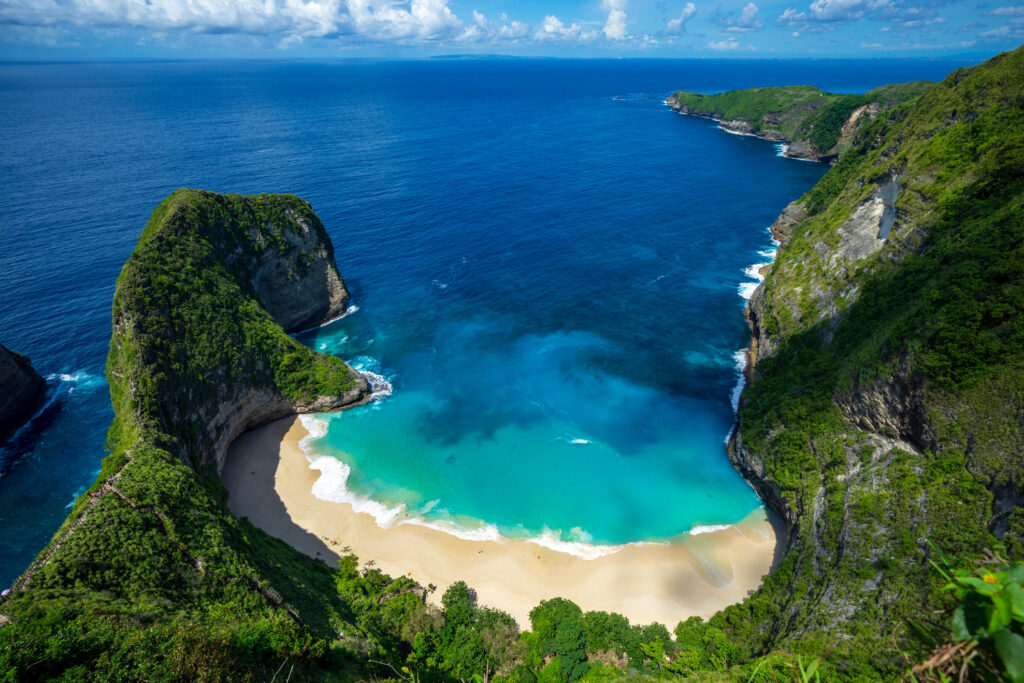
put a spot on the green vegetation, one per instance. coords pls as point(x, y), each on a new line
point(763, 108)
point(930, 349)
point(150, 572)
point(988, 624)
point(887, 421)
point(802, 114)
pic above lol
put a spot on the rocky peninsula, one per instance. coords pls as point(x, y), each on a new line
point(812, 125)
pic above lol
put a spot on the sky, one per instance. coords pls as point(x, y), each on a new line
point(328, 29)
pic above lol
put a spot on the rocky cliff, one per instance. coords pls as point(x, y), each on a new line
point(883, 419)
point(198, 354)
point(814, 125)
point(201, 308)
point(23, 391)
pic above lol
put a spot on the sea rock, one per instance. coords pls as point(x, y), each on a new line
point(23, 391)
point(790, 216)
point(737, 126)
point(306, 299)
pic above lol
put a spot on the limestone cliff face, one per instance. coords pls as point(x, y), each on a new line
point(309, 297)
point(882, 421)
point(198, 354)
point(22, 393)
point(219, 361)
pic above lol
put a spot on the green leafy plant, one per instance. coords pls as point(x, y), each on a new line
point(987, 625)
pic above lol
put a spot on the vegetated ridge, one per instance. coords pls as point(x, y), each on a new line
point(815, 125)
point(884, 417)
point(882, 423)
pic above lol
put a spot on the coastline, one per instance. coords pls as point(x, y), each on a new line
point(741, 128)
point(270, 481)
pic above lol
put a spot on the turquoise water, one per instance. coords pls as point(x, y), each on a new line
point(540, 250)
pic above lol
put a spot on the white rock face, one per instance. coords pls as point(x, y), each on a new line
point(869, 226)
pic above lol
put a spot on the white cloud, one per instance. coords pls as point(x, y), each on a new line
point(675, 26)
point(419, 19)
point(825, 15)
point(486, 30)
point(791, 17)
point(729, 44)
point(746, 20)
point(1014, 30)
point(615, 26)
point(368, 19)
point(894, 47)
point(552, 29)
point(1017, 11)
point(844, 10)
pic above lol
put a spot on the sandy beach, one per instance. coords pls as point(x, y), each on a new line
point(269, 481)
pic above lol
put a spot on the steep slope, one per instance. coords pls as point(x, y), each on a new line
point(23, 391)
point(196, 356)
point(884, 419)
point(815, 125)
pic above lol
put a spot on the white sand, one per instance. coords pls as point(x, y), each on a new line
point(269, 481)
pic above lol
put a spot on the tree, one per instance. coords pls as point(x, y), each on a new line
point(606, 631)
point(570, 647)
point(458, 602)
point(545, 618)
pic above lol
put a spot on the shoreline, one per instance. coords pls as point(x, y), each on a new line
point(270, 480)
point(723, 125)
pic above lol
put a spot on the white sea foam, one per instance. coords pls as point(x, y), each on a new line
point(380, 384)
point(332, 486)
point(57, 385)
point(747, 289)
point(334, 342)
point(80, 380)
point(781, 149)
point(348, 311)
point(741, 367)
point(317, 428)
point(708, 528)
point(485, 532)
point(380, 387)
point(587, 551)
point(754, 271)
point(736, 132)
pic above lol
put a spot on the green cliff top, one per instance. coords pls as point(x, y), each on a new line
point(800, 114)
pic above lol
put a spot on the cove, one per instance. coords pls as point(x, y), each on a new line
point(561, 346)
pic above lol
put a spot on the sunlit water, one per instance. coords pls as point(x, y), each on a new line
point(548, 265)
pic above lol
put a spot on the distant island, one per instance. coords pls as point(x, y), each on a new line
point(882, 423)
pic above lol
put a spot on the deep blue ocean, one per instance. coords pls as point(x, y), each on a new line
point(547, 262)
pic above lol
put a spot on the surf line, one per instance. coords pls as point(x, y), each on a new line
point(348, 311)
